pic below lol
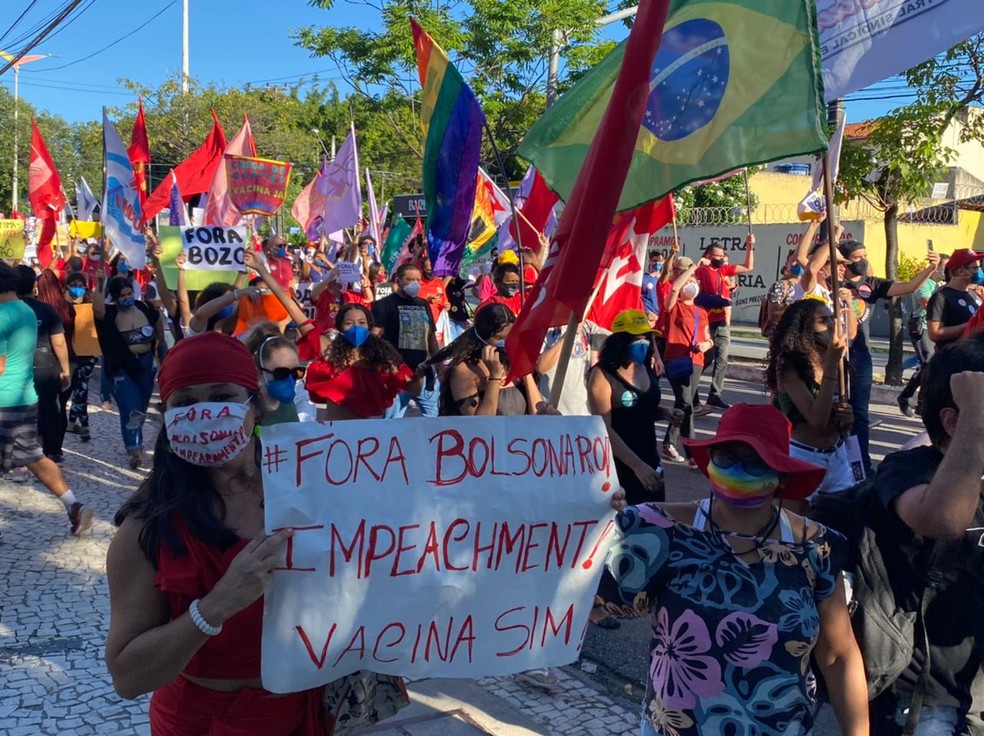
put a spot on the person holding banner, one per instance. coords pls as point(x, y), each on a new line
point(476, 367)
point(623, 389)
point(741, 593)
point(190, 562)
point(129, 333)
point(804, 361)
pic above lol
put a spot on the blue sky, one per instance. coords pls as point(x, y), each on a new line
point(232, 42)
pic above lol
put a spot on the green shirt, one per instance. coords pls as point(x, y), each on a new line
point(18, 338)
point(925, 291)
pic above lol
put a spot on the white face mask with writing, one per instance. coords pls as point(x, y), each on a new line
point(209, 434)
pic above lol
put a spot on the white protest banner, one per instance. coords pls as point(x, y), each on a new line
point(214, 248)
point(348, 272)
point(302, 292)
point(469, 547)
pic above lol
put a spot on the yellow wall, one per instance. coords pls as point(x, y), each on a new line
point(779, 194)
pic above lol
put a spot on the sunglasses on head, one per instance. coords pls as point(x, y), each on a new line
point(752, 464)
point(282, 374)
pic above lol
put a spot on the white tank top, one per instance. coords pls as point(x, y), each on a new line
point(704, 514)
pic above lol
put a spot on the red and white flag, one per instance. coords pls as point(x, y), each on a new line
point(620, 284)
point(219, 209)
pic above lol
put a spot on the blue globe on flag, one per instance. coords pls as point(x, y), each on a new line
point(688, 81)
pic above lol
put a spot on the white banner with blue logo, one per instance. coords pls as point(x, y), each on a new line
point(866, 41)
point(122, 216)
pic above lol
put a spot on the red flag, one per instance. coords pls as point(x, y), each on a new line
point(219, 210)
point(534, 214)
point(139, 153)
point(620, 283)
point(49, 226)
point(578, 247)
point(44, 187)
point(194, 174)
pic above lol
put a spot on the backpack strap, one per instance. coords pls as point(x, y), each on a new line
point(933, 583)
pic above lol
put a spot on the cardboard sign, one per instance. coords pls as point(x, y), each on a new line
point(84, 229)
point(469, 547)
point(302, 292)
point(215, 248)
point(12, 241)
point(257, 186)
point(172, 243)
point(85, 341)
point(349, 273)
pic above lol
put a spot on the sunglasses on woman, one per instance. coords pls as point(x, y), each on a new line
point(281, 374)
point(752, 464)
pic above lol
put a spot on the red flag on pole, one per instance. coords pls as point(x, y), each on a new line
point(44, 187)
point(139, 153)
point(578, 247)
point(620, 282)
point(194, 174)
point(534, 214)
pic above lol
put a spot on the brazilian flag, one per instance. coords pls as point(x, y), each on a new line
point(735, 83)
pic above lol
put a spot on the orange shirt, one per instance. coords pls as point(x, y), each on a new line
point(432, 291)
point(680, 324)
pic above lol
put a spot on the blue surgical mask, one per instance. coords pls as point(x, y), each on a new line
point(281, 252)
point(77, 292)
point(498, 344)
point(282, 390)
point(658, 267)
point(127, 302)
point(122, 267)
point(978, 277)
point(639, 351)
point(356, 335)
point(225, 312)
point(796, 270)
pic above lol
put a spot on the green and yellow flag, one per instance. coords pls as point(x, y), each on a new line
point(735, 83)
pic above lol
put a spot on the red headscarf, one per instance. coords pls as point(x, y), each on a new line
point(208, 358)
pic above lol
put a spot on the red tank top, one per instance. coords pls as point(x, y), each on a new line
point(235, 653)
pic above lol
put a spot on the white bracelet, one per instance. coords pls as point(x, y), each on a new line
point(203, 626)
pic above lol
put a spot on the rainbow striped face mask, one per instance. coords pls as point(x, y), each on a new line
point(746, 482)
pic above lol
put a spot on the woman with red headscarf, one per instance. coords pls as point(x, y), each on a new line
point(190, 563)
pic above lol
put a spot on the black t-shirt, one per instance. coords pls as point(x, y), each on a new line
point(455, 291)
point(869, 290)
point(407, 324)
point(951, 307)
point(955, 615)
point(49, 323)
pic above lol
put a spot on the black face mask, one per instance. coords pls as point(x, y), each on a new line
point(717, 262)
point(823, 338)
point(858, 268)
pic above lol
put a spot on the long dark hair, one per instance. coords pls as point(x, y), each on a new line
point(792, 346)
point(614, 353)
point(50, 292)
point(468, 346)
point(210, 292)
point(378, 354)
point(174, 490)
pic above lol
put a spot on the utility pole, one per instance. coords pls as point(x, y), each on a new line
point(184, 48)
point(553, 70)
point(17, 65)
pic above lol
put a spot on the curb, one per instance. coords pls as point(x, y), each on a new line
point(755, 373)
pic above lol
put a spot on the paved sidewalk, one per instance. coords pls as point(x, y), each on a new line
point(54, 613)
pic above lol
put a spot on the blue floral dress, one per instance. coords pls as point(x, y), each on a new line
point(731, 639)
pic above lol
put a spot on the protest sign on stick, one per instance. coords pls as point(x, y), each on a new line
point(467, 548)
point(12, 242)
point(257, 186)
point(172, 243)
point(214, 248)
point(348, 272)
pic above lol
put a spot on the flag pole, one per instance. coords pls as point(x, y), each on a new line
point(828, 188)
point(515, 214)
point(748, 202)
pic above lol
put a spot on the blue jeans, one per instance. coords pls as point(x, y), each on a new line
point(105, 385)
point(860, 399)
point(647, 730)
point(132, 399)
point(427, 402)
point(933, 721)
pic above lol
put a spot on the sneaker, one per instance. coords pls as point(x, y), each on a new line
point(541, 679)
point(106, 405)
point(692, 464)
point(74, 428)
point(904, 407)
point(57, 457)
point(135, 459)
point(20, 475)
point(84, 434)
point(670, 453)
point(718, 402)
point(80, 517)
point(702, 410)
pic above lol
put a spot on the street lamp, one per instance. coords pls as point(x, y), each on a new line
point(17, 65)
point(317, 134)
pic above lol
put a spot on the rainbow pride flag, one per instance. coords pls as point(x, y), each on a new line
point(452, 120)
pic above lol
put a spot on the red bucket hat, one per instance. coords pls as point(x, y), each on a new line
point(766, 430)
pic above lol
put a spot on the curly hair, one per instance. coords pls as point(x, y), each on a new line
point(378, 354)
point(792, 346)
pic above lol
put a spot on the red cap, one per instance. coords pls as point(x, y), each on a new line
point(208, 358)
point(766, 430)
point(964, 257)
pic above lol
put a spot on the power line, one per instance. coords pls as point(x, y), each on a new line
point(110, 45)
point(18, 19)
point(44, 33)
